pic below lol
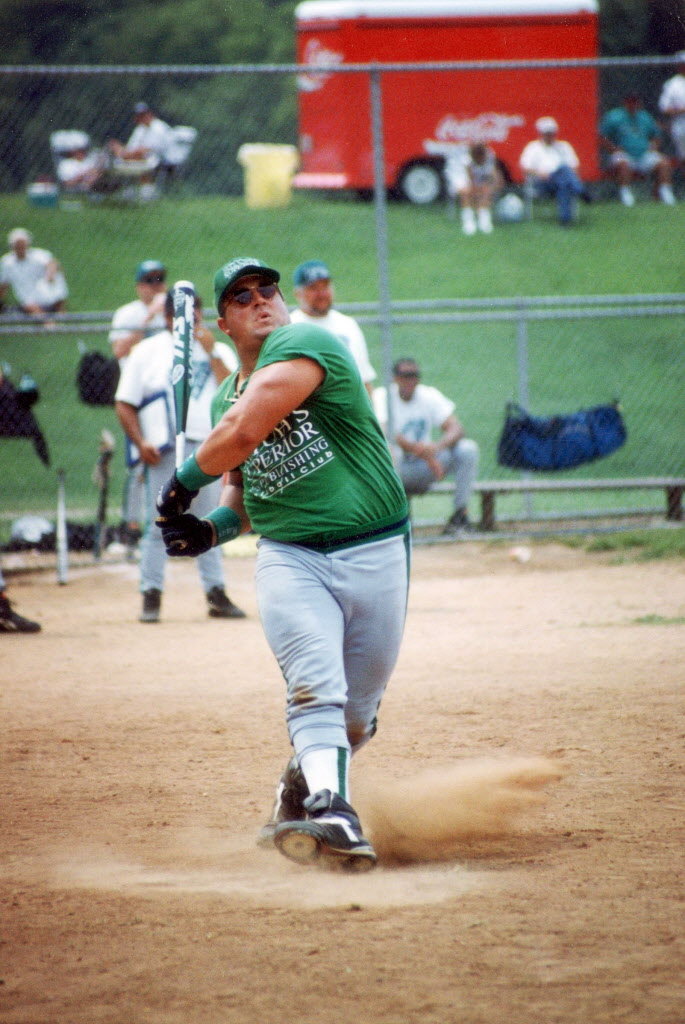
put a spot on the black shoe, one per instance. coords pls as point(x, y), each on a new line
point(457, 523)
point(152, 603)
point(587, 196)
point(10, 622)
point(221, 606)
point(291, 792)
point(331, 835)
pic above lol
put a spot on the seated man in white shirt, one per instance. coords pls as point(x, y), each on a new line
point(315, 296)
point(146, 147)
point(81, 171)
point(34, 275)
point(418, 411)
point(551, 165)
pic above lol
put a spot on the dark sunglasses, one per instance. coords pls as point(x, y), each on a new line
point(408, 374)
point(153, 279)
point(244, 297)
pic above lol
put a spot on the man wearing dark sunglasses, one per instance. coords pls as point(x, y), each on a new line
point(306, 466)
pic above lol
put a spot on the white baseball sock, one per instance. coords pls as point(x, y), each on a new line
point(327, 768)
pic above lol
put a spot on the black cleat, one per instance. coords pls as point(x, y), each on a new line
point(291, 792)
point(457, 524)
point(152, 604)
point(221, 607)
point(10, 622)
point(331, 836)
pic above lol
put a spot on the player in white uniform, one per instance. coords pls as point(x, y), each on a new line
point(418, 411)
point(145, 407)
point(131, 323)
point(315, 296)
point(672, 103)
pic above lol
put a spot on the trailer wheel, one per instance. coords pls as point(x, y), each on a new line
point(421, 183)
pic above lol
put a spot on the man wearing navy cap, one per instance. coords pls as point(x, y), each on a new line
point(145, 315)
point(130, 324)
point(315, 296)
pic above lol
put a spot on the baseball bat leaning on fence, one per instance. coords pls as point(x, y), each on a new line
point(61, 539)
point(101, 475)
point(184, 321)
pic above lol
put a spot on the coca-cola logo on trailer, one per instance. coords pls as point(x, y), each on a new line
point(316, 53)
point(488, 127)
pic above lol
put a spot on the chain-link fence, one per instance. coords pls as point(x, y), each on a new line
point(552, 354)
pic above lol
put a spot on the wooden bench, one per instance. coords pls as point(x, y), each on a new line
point(673, 488)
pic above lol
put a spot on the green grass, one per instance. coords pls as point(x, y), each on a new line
point(633, 545)
point(611, 249)
point(659, 620)
point(572, 363)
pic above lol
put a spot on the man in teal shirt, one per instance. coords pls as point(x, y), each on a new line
point(305, 464)
point(631, 137)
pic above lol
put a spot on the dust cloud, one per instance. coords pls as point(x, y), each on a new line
point(426, 817)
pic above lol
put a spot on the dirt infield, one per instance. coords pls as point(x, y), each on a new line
point(138, 763)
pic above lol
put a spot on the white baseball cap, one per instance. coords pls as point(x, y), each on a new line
point(19, 235)
point(546, 124)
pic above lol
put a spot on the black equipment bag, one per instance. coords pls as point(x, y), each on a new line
point(16, 415)
point(559, 442)
point(97, 377)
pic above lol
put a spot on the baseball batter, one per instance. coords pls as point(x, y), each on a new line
point(307, 467)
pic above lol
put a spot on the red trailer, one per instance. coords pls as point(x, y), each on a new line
point(427, 114)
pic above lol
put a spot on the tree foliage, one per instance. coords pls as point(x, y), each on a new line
point(225, 31)
point(128, 32)
point(637, 27)
point(227, 109)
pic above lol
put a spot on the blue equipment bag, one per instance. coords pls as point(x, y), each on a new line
point(559, 442)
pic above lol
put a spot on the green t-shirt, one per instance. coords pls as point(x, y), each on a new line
point(324, 476)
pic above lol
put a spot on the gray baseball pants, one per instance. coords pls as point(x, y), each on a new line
point(334, 623)
point(461, 459)
point(153, 556)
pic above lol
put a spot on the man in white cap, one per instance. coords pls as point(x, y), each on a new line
point(672, 103)
point(551, 164)
point(34, 275)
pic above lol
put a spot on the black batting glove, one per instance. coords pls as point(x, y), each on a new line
point(173, 500)
point(187, 536)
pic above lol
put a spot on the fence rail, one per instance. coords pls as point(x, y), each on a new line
point(548, 352)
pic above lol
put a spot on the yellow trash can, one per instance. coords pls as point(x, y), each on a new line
point(268, 173)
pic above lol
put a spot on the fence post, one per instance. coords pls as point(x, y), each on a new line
point(523, 382)
point(380, 206)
